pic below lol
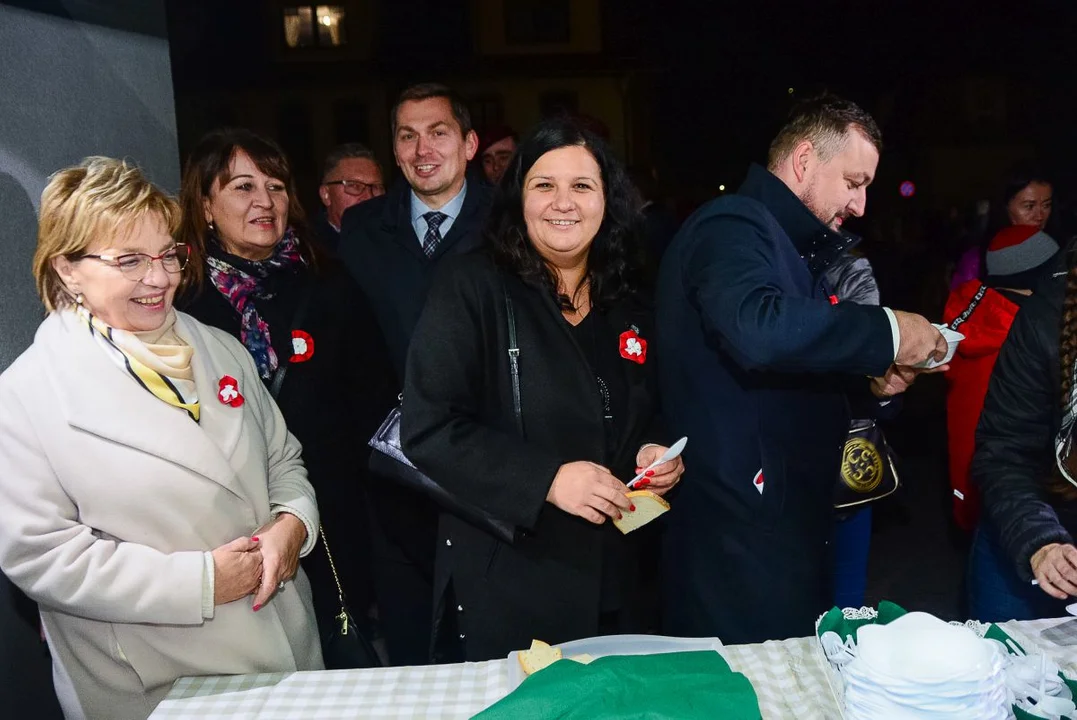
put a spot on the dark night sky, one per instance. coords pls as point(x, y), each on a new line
point(722, 69)
point(731, 75)
point(720, 55)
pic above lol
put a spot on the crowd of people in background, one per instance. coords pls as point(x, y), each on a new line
point(185, 485)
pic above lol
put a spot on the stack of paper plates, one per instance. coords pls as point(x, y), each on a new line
point(921, 667)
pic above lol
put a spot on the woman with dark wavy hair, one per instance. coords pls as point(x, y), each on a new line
point(562, 243)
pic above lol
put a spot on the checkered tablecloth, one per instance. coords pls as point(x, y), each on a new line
point(789, 678)
point(1056, 638)
point(398, 693)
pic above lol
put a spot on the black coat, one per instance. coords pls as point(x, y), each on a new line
point(459, 427)
point(332, 403)
point(326, 233)
point(756, 365)
point(383, 254)
point(379, 246)
point(1015, 438)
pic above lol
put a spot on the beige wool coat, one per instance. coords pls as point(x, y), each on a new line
point(109, 499)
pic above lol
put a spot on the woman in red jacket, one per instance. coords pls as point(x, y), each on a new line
point(1017, 259)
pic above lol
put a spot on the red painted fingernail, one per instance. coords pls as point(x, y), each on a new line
point(254, 539)
point(643, 483)
point(257, 608)
point(649, 473)
point(632, 508)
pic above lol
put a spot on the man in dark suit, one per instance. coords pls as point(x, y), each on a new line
point(393, 245)
point(759, 366)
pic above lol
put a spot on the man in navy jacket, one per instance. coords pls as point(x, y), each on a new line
point(758, 367)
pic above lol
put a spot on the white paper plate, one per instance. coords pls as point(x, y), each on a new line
point(919, 647)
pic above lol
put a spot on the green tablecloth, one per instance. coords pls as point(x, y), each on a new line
point(674, 685)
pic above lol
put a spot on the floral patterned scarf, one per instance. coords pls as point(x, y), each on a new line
point(244, 282)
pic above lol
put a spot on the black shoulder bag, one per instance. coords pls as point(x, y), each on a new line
point(343, 646)
point(867, 467)
point(388, 458)
point(868, 472)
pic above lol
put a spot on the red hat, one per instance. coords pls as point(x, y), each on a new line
point(1017, 255)
point(493, 134)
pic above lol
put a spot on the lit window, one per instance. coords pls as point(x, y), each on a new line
point(330, 29)
point(314, 26)
point(298, 27)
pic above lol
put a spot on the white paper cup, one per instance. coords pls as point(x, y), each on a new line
point(953, 339)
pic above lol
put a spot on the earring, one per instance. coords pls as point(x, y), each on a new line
point(212, 227)
point(79, 297)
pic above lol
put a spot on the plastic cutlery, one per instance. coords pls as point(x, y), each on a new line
point(670, 454)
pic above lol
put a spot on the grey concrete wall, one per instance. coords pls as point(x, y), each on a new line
point(77, 78)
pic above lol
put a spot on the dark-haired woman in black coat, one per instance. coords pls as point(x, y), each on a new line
point(562, 242)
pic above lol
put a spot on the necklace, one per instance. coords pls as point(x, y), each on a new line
point(579, 311)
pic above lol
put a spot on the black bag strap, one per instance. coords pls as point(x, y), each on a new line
point(297, 320)
point(514, 363)
point(967, 312)
point(345, 617)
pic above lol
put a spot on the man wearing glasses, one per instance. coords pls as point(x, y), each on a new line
point(352, 175)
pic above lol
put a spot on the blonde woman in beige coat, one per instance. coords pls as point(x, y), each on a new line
point(152, 500)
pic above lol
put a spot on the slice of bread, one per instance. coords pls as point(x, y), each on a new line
point(540, 656)
point(583, 659)
point(648, 507)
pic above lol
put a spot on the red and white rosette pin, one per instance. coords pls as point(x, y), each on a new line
point(302, 346)
point(633, 347)
point(228, 391)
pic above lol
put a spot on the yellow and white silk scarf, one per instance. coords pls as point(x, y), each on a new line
point(164, 369)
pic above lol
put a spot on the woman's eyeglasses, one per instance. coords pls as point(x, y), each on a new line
point(355, 187)
point(136, 266)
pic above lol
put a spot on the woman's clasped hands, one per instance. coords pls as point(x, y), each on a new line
point(260, 564)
